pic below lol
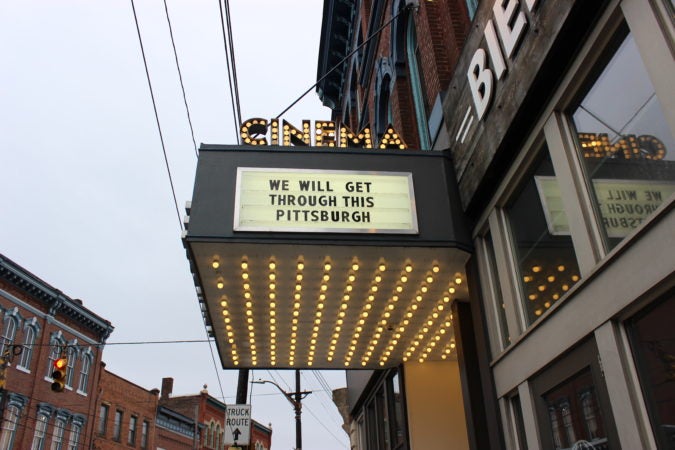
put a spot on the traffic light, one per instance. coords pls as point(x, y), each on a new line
point(59, 374)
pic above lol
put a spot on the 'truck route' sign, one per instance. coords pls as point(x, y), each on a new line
point(324, 201)
point(237, 425)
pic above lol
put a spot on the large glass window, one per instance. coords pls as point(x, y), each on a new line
point(417, 83)
point(496, 293)
point(117, 425)
point(9, 426)
point(59, 431)
point(546, 259)
point(575, 418)
point(74, 440)
point(84, 373)
point(133, 421)
point(40, 432)
point(8, 333)
point(29, 334)
point(626, 145)
point(103, 419)
point(653, 344)
point(144, 434)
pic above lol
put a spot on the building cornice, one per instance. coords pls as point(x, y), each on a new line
point(54, 301)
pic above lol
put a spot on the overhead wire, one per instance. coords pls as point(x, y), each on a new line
point(159, 128)
point(154, 106)
point(180, 77)
point(234, 93)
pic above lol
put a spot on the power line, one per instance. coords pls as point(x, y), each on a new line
point(154, 106)
point(180, 77)
point(234, 94)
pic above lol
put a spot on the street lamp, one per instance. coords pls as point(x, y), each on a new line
point(295, 398)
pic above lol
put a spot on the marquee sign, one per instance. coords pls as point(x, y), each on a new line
point(297, 200)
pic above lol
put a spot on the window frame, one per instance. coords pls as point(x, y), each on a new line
point(31, 331)
point(117, 425)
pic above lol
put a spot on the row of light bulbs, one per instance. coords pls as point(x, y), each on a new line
point(374, 340)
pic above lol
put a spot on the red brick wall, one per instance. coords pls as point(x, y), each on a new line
point(442, 26)
point(120, 394)
point(34, 383)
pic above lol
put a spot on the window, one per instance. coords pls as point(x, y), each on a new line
point(417, 83)
point(103, 419)
point(144, 434)
point(8, 332)
point(381, 425)
point(545, 257)
point(471, 6)
point(40, 431)
point(29, 335)
point(652, 339)
point(84, 373)
point(74, 440)
point(117, 426)
point(627, 148)
point(54, 355)
point(72, 357)
point(517, 413)
point(132, 430)
point(59, 431)
point(382, 96)
point(495, 291)
point(9, 426)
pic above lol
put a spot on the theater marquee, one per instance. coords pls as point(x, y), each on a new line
point(297, 200)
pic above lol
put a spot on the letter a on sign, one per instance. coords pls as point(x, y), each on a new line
point(237, 425)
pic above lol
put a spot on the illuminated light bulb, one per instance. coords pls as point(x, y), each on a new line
point(301, 265)
point(408, 268)
point(409, 314)
point(538, 312)
point(223, 303)
point(378, 279)
point(272, 276)
point(547, 304)
point(244, 275)
point(244, 265)
point(418, 298)
point(399, 288)
point(561, 268)
point(374, 288)
point(440, 307)
point(446, 299)
point(355, 267)
point(215, 264)
point(458, 280)
point(575, 278)
point(327, 267)
point(382, 267)
point(565, 287)
point(220, 285)
point(272, 265)
point(435, 269)
point(351, 278)
point(527, 278)
point(452, 345)
point(424, 289)
point(536, 269)
point(555, 296)
point(541, 288)
point(550, 278)
point(451, 290)
point(404, 279)
point(413, 307)
point(430, 279)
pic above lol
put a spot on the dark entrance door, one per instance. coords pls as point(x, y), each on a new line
point(572, 403)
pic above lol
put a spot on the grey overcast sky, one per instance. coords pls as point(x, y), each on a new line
point(85, 199)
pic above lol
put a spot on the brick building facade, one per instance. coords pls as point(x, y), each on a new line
point(126, 414)
point(39, 325)
point(97, 409)
point(400, 73)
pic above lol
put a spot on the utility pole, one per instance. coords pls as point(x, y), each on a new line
point(295, 399)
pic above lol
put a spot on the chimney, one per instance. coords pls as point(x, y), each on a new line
point(167, 388)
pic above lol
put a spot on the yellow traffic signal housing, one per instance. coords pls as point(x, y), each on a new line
point(59, 374)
